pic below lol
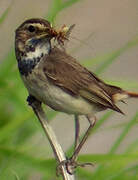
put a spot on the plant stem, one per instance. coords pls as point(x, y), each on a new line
point(58, 152)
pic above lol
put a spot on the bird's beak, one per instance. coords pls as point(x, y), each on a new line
point(44, 35)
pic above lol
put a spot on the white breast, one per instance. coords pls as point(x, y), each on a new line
point(56, 98)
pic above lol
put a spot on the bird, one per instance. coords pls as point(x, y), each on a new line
point(58, 80)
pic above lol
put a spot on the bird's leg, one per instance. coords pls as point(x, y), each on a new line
point(71, 163)
point(86, 135)
point(70, 167)
point(77, 130)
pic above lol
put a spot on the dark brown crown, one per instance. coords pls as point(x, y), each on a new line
point(34, 21)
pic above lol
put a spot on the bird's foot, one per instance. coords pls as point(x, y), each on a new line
point(32, 101)
point(71, 166)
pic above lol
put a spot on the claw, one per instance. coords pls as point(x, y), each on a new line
point(32, 100)
point(58, 168)
point(71, 166)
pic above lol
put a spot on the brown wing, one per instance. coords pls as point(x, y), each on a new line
point(64, 71)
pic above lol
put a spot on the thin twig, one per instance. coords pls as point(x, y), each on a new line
point(58, 152)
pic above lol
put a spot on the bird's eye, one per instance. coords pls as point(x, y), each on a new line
point(31, 28)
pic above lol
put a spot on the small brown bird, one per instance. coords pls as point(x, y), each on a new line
point(56, 79)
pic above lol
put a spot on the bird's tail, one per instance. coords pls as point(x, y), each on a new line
point(124, 95)
point(132, 94)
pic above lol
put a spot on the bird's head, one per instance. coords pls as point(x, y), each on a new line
point(31, 34)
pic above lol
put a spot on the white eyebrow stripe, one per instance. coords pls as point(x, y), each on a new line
point(38, 25)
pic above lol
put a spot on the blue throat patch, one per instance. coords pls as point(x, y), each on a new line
point(27, 65)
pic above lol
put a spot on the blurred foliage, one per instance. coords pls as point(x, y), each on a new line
point(5, 13)
point(18, 125)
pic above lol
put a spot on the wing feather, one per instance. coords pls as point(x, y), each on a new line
point(65, 72)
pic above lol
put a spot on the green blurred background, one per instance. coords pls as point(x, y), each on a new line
point(105, 40)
